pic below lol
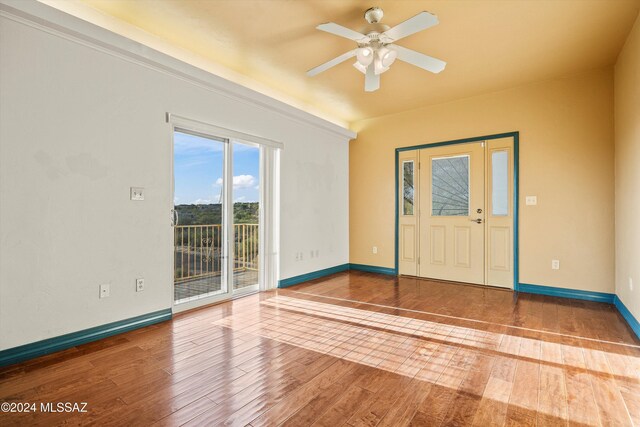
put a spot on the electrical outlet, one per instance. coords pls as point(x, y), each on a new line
point(137, 193)
point(105, 291)
point(630, 284)
point(375, 250)
point(555, 264)
point(531, 200)
point(139, 285)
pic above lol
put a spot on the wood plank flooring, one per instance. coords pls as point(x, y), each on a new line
point(352, 349)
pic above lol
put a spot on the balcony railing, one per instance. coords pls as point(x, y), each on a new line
point(198, 250)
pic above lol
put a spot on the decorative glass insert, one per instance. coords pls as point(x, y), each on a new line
point(500, 183)
point(407, 187)
point(450, 186)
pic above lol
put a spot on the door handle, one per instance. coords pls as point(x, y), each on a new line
point(174, 217)
point(477, 220)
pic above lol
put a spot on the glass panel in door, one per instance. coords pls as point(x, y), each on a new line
point(450, 186)
point(407, 187)
point(500, 183)
point(199, 267)
point(246, 218)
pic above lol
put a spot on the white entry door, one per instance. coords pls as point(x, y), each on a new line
point(455, 213)
point(452, 214)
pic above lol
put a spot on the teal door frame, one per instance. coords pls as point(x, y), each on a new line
point(516, 192)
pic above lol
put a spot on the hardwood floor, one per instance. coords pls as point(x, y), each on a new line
point(352, 349)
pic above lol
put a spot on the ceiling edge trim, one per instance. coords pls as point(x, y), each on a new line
point(56, 22)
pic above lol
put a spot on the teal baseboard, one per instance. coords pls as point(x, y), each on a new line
point(566, 293)
point(626, 314)
point(373, 269)
point(63, 342)
point(285, 283)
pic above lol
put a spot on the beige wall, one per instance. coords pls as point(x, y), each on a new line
point(627, 163)
point(566, 159)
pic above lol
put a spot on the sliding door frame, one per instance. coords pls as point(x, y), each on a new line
point(516, 190)
point(268, 212)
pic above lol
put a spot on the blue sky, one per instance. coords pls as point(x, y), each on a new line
point(198, 170)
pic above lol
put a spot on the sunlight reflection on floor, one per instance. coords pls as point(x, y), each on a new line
point(434, 351)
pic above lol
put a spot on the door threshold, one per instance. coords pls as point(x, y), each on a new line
point(211, 304)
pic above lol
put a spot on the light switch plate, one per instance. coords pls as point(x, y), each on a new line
point(105, 291)
point(137, 193)
point(531, 200)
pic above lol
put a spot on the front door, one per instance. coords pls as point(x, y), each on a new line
point(456, 212)
point(452, 215)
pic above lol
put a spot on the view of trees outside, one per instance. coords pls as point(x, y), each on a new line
point(243, 213)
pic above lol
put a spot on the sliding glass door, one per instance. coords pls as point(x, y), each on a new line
point(246, 216)
point(216, 218)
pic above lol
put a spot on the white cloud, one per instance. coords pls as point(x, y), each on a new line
point(239, 199)
point(243, 181)
point(240, 182)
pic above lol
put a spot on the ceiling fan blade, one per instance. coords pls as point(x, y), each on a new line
point(335, 61)
point(419, 59)
point(371, 79)
point(420, 22)
point(345, 32)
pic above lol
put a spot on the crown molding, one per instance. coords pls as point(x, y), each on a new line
point(61, 24)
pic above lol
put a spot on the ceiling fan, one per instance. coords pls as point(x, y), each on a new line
point(376, 50)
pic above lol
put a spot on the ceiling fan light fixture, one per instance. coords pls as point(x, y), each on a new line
point(378, 68)
point(365, 56)
point(358, 66)
point(387, 56)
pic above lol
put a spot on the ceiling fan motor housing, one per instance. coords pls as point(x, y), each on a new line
point(373, 15)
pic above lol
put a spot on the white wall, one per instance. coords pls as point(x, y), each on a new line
point(627, 136)
point(79, 125)
point(314, 206)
